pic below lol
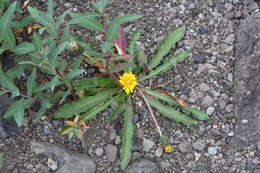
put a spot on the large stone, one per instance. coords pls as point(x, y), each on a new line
point(142, 166)
point(247, 82)
point(68, 161)
point(8, 126)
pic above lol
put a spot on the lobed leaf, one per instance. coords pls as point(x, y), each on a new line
point(83, 104)
point(171, 113)
point(164, 49)
point(167, 65)
point(127, 135)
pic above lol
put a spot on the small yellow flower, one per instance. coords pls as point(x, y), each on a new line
point(128, 81)
point(168, 148)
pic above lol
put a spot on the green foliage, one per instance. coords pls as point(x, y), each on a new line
point(127, 135)
point(54, 78)
point(169, 112)
point(165, 48)
point(6, 33)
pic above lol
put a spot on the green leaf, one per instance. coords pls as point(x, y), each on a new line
point(93, 112)
point(88, 21)
point(167, 65)
point(52, 84)
point(77, 63)
point(16, 110)
point(50, 8)
point(74, 73)
point(6, 32)
point(40, 17)
point(62, 65)
point(106, 46)
point(196, 113)
point(83, 104)
point(31, 82)
point(164, 49)
point(118, 110)
point(7, 83)
point(38, 44)
point(136, 37)
point(171, 113)
point(86, 84)
point(60, 20)
point(113, 31)
point(162, 96)
point(40, 114)
point(65, 95)
point(24, 48)
point(55, 53)
point(22, 23)
point(127, 135)
point(15, 72)
point(100, 5)
point(141, 58)
point(125, 18)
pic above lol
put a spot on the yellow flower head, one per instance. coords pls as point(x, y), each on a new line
point(128, 81)
point(168, 148)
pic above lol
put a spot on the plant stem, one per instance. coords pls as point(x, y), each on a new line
point(151, 112)
point(22, 95)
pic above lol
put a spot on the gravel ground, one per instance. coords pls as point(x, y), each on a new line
point(205, 80)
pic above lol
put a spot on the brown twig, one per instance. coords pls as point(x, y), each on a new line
point(151, 112)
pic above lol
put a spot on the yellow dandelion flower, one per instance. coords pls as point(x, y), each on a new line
point(168, 148)
point(128, 81)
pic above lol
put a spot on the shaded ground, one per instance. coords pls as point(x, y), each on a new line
point(205, 80)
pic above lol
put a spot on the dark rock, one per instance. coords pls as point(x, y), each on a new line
point(142, 166)
point(198, 58)
point(8, 126)
point(68, 161)
point(247, 82)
